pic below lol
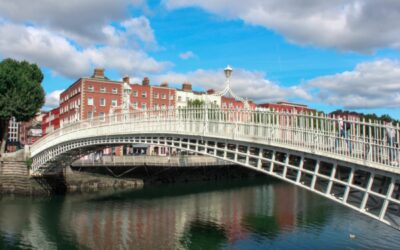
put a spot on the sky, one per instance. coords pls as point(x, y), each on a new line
point(338, 54)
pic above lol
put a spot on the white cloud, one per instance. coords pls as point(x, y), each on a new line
point(353, 25)
point(139, 27)
point(80, 20)
point(187, 55)
point(53, 99)
point(59, 54)
point(247, 84)
point(370, 85)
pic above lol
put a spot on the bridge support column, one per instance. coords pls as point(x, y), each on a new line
point(314, 179)
point(331, 178)
point(349, 182)
point(386, 201)
point(247, 155)
point(368, 189)
point(225, 149)
point(286, 166)
point(300, 169)
point(271, 170)
point(259, 162)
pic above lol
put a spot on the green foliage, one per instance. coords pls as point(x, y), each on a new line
point(21, 93)
point(195, 103)
point(367, 117)
point(28, 163)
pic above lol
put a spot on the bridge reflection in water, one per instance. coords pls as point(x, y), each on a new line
point(198, 216)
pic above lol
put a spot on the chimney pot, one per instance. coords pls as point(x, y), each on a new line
point(210, 91)
point(187, 87)
point(98, 73)
point(146, 81)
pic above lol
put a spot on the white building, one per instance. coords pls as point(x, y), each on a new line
point(13, 130)
point(186, 94)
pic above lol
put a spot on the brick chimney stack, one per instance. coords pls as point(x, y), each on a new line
point(210, 91)
point(146, 81)
point(187, 87)
point(98, 73)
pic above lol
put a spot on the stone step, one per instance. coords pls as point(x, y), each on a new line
point(15, 168)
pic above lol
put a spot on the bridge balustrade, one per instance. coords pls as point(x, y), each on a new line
point(316, 133)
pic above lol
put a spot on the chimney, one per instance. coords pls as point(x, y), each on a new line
point(98, 73)
point(164, 84)
point(125, 79)
point(187, 87)
point(146, 81)
point(210, 91)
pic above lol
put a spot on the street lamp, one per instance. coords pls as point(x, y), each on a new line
point(228, 72)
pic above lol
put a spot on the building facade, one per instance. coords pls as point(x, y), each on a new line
point(287, 107)
point(185, 95)
point(90, 97)
point(51, 121)
point(232, 103)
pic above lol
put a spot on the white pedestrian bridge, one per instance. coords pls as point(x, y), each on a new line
point(356, 166)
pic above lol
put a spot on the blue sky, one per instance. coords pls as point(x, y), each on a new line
point(329, 55)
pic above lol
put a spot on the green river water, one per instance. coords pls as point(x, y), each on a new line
point(214, 215)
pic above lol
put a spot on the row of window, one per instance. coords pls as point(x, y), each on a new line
point(102, 102)
point(71, 106)
point(225, 106)
point(71, 118)
point(102, 89)
point(155, 95)
point(163, 96)
point(71, 94)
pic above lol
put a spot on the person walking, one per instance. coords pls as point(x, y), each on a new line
point(391, 141)
point(343, 132)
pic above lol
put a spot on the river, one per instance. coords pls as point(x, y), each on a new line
point(249, 214)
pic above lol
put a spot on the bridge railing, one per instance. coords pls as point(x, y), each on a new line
point(353, 139)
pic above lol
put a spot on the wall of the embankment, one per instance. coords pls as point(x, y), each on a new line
point(15, 179)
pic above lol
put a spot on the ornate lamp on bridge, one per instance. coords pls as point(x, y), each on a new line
point(227, 90)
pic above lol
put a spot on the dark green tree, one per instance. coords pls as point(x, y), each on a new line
point(21, 93)
point(195, 103)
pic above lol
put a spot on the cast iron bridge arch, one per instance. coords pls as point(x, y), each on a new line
point(358, 169)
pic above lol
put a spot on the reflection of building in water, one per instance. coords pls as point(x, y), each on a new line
point(22, 221)
point(285, 203)
point(159, 223)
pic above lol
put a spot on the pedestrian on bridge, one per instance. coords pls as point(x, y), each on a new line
point(391, 141)
point(344, 132)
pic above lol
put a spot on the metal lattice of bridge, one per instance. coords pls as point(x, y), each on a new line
point(358, 167)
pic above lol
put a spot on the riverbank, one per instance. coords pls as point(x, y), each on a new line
point(15, 180)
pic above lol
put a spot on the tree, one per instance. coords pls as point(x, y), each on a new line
point(195, 103)
point(21, 93)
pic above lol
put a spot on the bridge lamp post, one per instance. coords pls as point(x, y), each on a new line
point(228, 72)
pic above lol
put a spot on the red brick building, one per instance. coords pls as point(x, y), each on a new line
point(163, 97)
point(145, 96)
point(51, 121)
point(287, 107)
point(232, 103)
point(89, 97)
point(141, 95)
